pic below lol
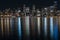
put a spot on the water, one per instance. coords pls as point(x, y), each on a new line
point(2, 25)
point(12, 28)
point(38, 24)
point(27, 27)
point(56, 29)
point(51, 27)
point(8, 27)
point(45, 26)
point(19, 28)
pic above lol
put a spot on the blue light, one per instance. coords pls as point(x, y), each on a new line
point(51, 27)
point(19, 26)
point(56, 30)
point(45, 26)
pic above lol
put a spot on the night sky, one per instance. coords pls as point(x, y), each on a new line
point(19, 3)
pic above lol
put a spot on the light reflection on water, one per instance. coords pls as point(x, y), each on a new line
point(27, 25)
point(19, 27)
point(56, 29)
point(8, 25)
point(53, 31)
point(45, 26)
point(2, 25)
point(12, 25)
point(51, 27)
point(38, 23)
point(5, 25)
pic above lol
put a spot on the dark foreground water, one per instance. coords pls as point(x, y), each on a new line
point(27, 28)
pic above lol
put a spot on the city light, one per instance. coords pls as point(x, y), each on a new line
point(30, 23)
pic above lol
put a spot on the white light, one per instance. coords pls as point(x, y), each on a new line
point(51, 26)
point(38, 11)
point(19, 10)
point(45, 26)
point(27, 10)
point(27, 24)
point(45, 8)
point(51, 10)
point(38, 18)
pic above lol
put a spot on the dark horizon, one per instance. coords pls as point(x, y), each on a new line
point(19, 3)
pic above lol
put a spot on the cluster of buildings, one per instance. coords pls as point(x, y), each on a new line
point(32, 11)
point(30, 24)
